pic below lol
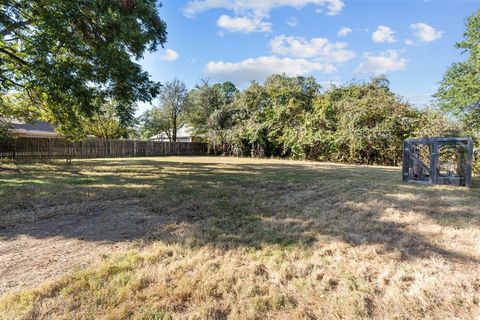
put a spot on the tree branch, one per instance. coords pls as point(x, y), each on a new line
point(12, 82)
point(11, 55)
point(9, 29)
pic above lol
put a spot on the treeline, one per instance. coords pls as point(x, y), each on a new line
point(361, 122)
point(290, 117)
point(95, 92)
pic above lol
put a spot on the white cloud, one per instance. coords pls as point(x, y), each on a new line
point(170, 55)
point(258, 8)
point(425, 32)
point(383, 34)
point(386, 61)
point(243, 24)
point(344, 31)
point(320, 49)
point(408, 42)
point(260, 68)
point(292, 21)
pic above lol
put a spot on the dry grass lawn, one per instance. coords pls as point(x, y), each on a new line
point(226, 238)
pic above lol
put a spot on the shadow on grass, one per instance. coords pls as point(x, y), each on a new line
point(230, 204)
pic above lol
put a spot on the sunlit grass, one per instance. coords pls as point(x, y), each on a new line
point(251, 239)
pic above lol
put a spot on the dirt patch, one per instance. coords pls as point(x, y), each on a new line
point(41, 250)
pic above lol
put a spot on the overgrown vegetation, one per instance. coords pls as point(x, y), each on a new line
point(362, 122)
point(250, 239)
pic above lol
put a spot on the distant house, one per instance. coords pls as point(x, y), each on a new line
point(184, 134)
point(36, 128)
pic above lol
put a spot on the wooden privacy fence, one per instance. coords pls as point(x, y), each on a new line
point(49, 148)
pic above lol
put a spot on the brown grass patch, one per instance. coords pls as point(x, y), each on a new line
point(248, 239)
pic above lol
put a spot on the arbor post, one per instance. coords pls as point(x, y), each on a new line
point(433, 162)
point(469, 163)
point(405, 161)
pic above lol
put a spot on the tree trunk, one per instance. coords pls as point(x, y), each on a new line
point(174, 129)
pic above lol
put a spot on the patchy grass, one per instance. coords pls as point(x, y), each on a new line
point(248, 239)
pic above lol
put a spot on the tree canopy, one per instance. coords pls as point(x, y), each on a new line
point(360, 122)
point(205, 100)
point(169, 116)
point(105, 123)
point(68, 57)
point(459, 91)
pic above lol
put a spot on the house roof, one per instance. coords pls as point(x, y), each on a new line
point(182, 133)
point(33, 128)
point(36, 125)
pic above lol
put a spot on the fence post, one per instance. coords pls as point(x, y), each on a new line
point(50, 148)
point(14, 148)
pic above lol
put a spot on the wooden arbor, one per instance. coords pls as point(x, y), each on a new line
point(438, 161)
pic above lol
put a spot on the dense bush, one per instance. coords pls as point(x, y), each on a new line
point(362, 122)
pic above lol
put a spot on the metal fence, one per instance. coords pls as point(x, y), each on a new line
point(50, 148)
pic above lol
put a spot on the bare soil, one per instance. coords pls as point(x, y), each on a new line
point(45, 249)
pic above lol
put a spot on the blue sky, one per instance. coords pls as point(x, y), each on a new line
point(412, 41)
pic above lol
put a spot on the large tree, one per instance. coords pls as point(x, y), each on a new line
point(105, 123)
point(156, 121)
point(205, 99)
point(459, 91)
point(170, 115)
point(69, 56)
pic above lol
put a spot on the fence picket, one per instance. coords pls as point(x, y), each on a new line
point(40, 148)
